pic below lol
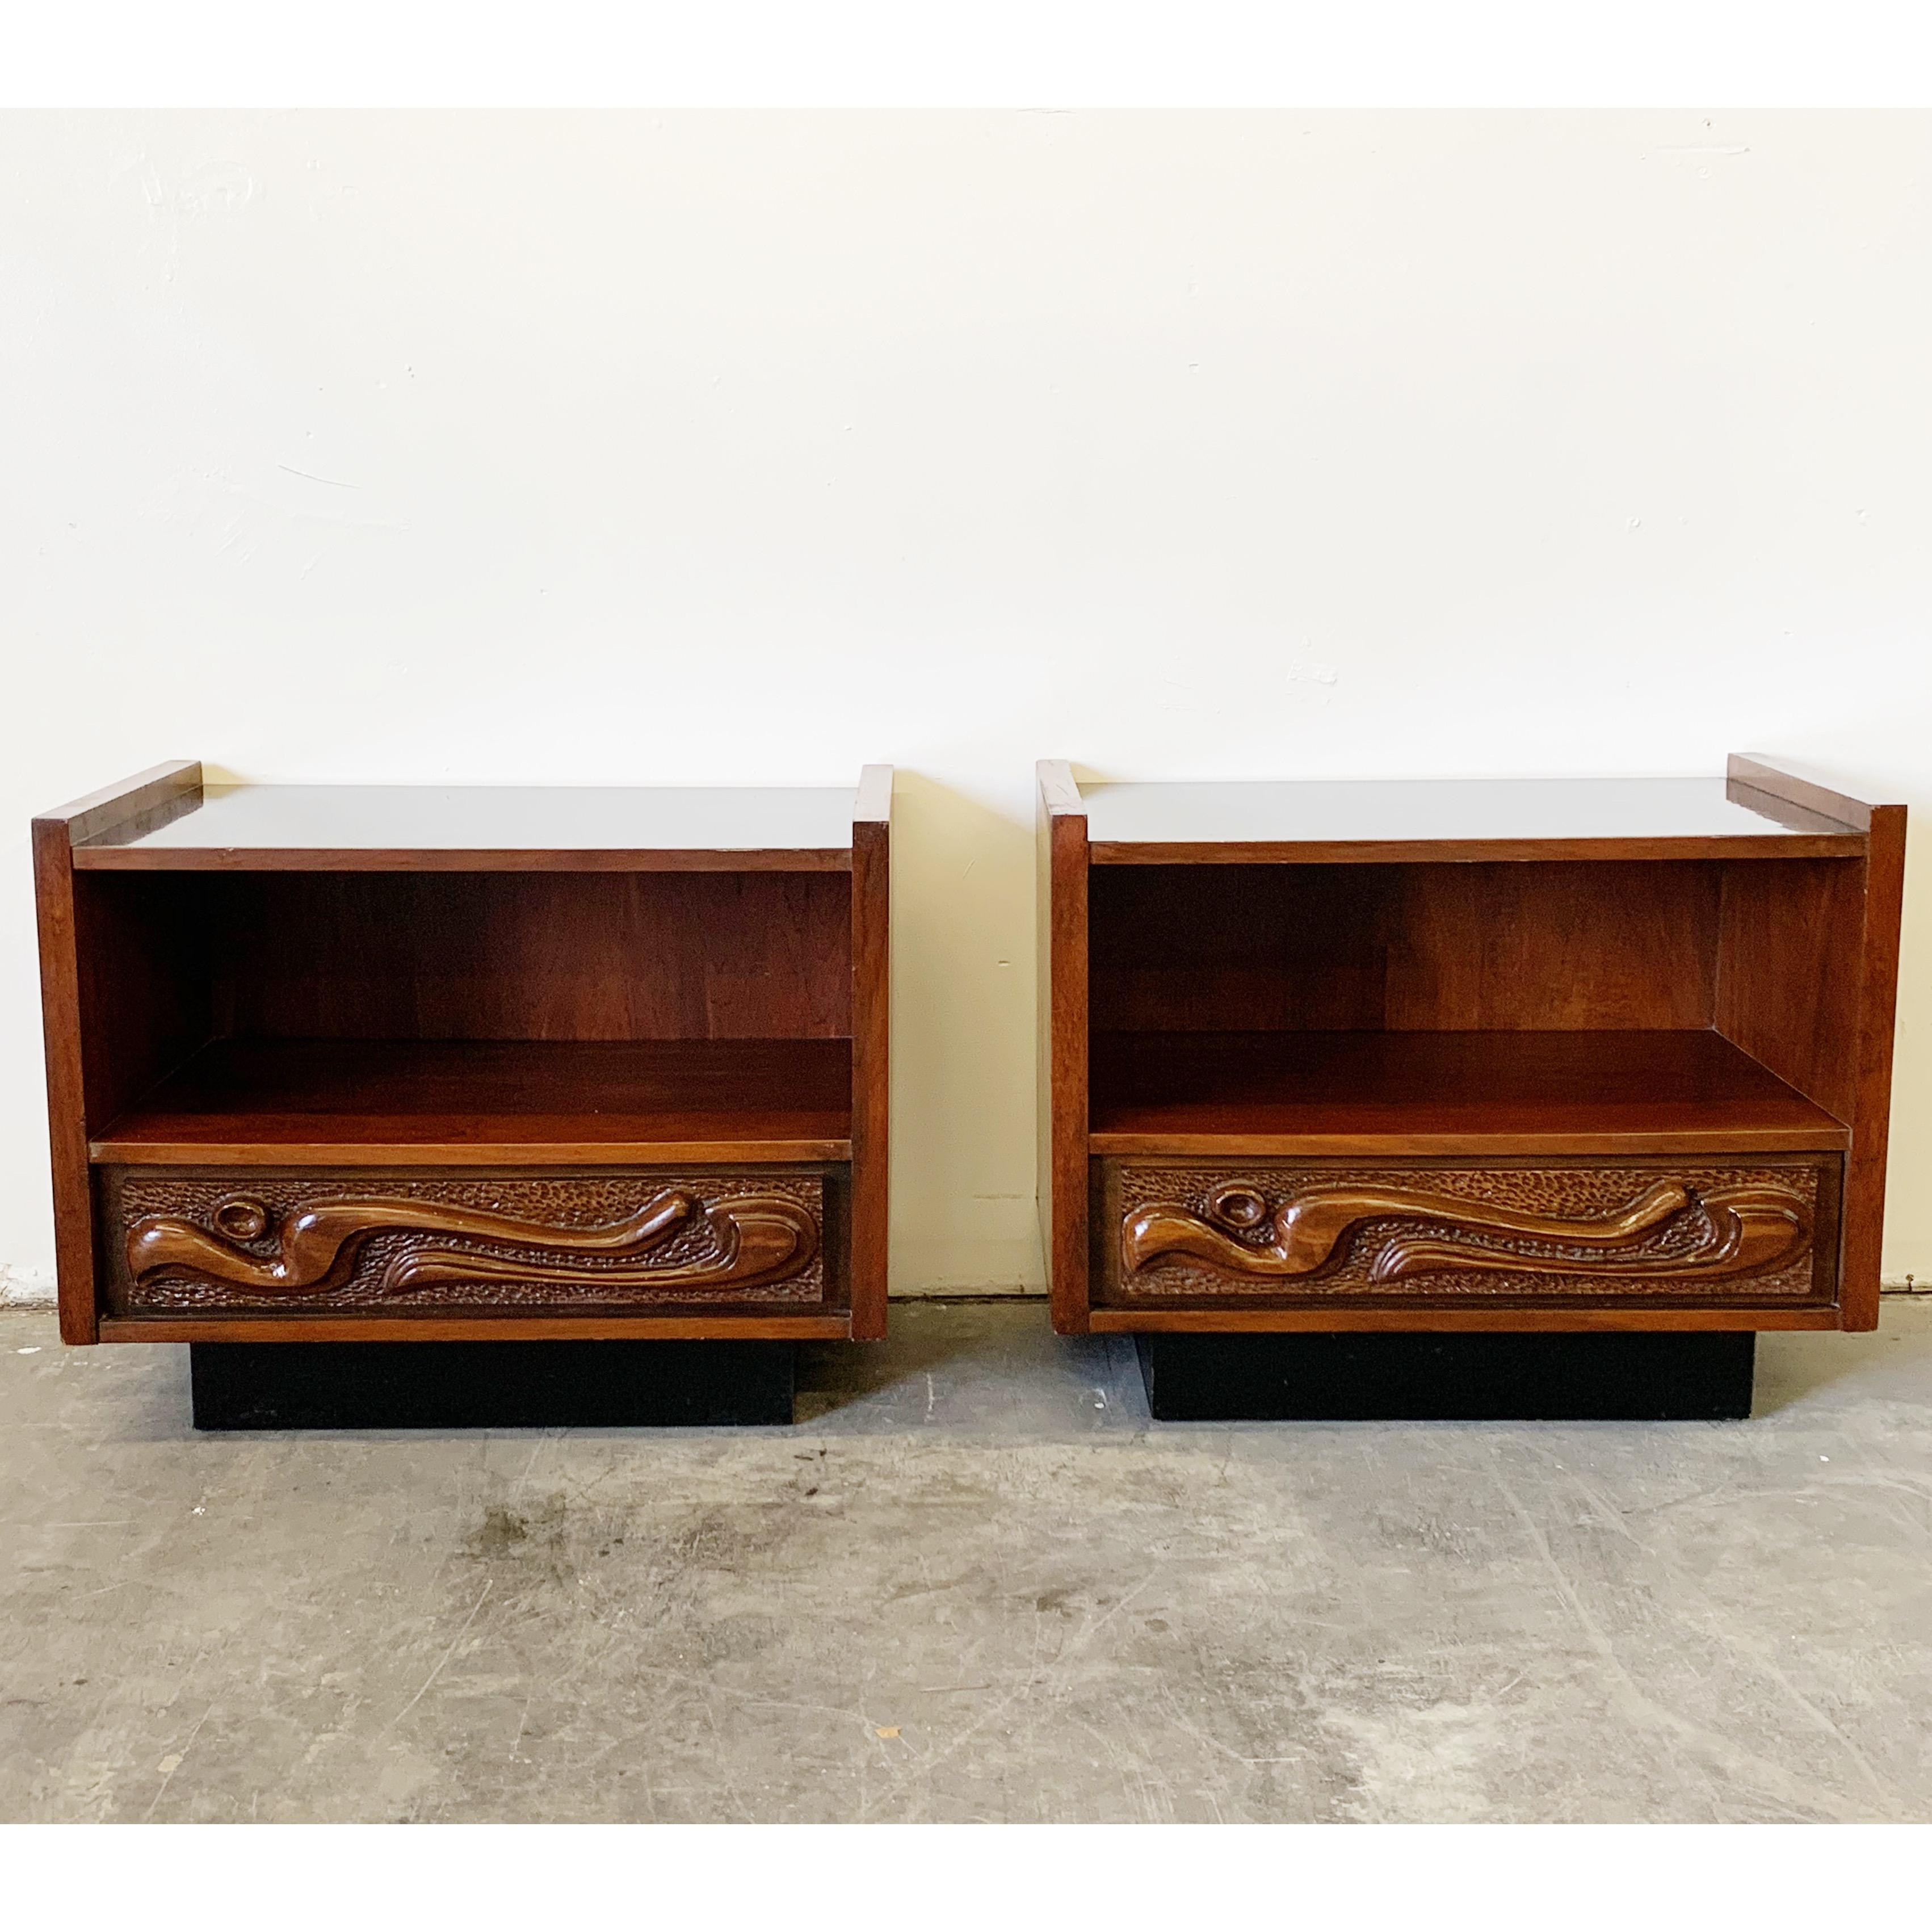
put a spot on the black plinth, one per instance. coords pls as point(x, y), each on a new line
point(1487, 1378)
point(489, 1384)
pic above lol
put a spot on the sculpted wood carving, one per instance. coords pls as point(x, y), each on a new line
point(1471, 1230)
point(320, 1241)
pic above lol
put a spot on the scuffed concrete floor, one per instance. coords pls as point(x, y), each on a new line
point(973, 1582)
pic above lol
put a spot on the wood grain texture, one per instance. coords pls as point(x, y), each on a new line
point(1498, 1093)
point(1610, 971)
point(133, 806)
point(1425, 948)
point(216, 1242)
point(1528, 1232)
point(1788, 975)
point(496, 1146)
point(67, 1115)
point(420, 1005)
point(522, 1101)
point(1808, 982)
point(1765, 784)
point(871, 1008)
point(519, 1326)
point(1878, 995)
point(144, 991)
point(1061, 942)
point(528, 956)
point(82, 989)
point(1419, 1320)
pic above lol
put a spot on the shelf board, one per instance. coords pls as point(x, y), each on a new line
point(470, 1103)
point(1395, 821)
point(1489, 1093)
point(484, 828)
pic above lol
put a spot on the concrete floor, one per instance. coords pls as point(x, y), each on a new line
point(973, 1583)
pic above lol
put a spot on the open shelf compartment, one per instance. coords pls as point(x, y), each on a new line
point(549, 1017)
point(1524, 1005)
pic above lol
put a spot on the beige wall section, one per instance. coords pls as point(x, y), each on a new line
point(963, 1041)
point(617, 448)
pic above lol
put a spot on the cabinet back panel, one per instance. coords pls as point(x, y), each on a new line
point(497, 955)
point(1525, 947)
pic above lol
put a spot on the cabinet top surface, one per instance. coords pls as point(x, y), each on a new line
point(1465, 811)
point(532, 818)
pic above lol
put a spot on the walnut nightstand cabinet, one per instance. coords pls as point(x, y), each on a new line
point(1396, 1067)
point(356, 1065)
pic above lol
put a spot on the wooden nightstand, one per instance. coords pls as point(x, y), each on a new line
point(408, 1064)
point(1582, 1056)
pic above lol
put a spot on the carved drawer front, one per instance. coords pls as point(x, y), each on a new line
point(1764, 1230)
point(182, 1240)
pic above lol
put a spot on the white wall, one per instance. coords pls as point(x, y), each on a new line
point(676, 448)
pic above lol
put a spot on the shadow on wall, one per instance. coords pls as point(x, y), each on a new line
point(963, 1168)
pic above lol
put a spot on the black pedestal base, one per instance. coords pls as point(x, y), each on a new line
point(489, 1384)
point(1488, 1378)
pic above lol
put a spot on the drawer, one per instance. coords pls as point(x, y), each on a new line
point(372, 1240)
point(1284, 1232)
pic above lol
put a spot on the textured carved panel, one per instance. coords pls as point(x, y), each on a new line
point(259, 1241)
point(1307, 1232)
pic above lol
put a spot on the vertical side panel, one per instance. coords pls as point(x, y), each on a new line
point(1061, 1130)
point(1878, 999)
point(871, 1039)
point(150, 798)
point(1788, 972)
point(141, 945)
point(66, 1123)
